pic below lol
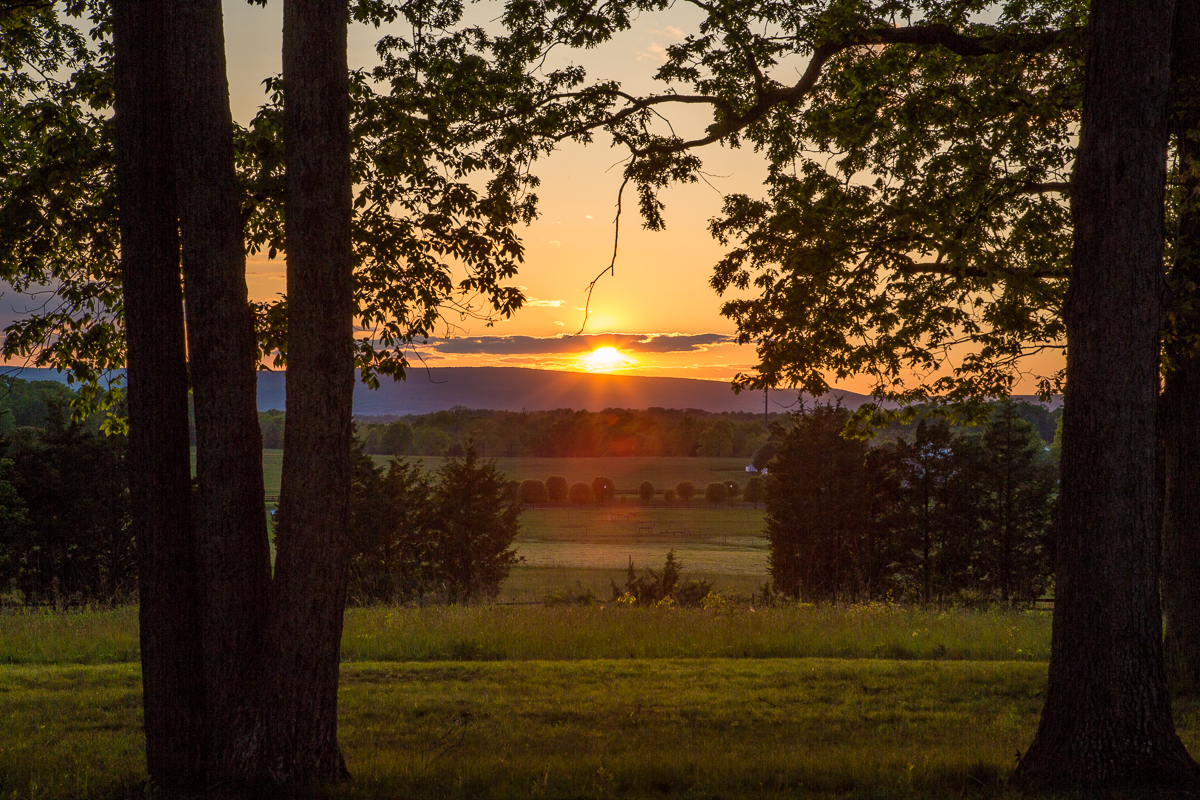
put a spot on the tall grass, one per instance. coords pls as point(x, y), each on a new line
point(596, 632)
point(524, 633)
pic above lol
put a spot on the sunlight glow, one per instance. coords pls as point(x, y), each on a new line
point(606, 359)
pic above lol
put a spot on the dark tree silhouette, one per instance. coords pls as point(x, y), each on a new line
point(1107, 718)
point(156, 371)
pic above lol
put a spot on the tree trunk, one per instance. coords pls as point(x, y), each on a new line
point(1180, 407)
point(231, 524)
point(1107, 719)
point(156, 372)
point(309, 589)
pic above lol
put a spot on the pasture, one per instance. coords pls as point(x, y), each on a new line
point(627, 473)
point(497, 702)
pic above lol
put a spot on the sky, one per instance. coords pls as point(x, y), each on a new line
point(656, 314)
point(657, 309)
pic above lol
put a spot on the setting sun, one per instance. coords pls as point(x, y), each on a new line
point(604, 359)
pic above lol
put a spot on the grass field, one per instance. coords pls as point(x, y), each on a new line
point(591, 546)
point(627, 473)
point(494, 702)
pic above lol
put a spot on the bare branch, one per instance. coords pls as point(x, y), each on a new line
point(611, 268)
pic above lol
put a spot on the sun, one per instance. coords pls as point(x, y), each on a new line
point(606, 359)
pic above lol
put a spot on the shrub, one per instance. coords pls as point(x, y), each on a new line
point(581, 494)
point(604, 489)
point(533, 493)
point(686, 490)
point(669, 496)
point(756, 490)
point(646, 491)
point(660, 589)
point(734, 488)
point(716, 493)
point(512, 492)
point(556, 488)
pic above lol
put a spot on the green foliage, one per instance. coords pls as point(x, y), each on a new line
point(397, 439)
point(581, 494)
point(445, 538)
point(270, 422)
point(66, 538)
point(604, 489)
point(942, 518)
point(29, 404)
point(817, 507)
point(686, 490)
point(533, 493)
point(734, 488)
point(717, 439)
point(756, 490)
point(475, 529)
point(716, 492)
point(557, 488)
point(666, 588)
point(646, 491)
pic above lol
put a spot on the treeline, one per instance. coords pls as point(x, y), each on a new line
point(935, 517)
point(562, 433)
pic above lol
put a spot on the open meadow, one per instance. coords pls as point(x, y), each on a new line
point(595, 702)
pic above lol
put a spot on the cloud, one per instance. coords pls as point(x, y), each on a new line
point(535, 302)
point(655, 51)
point(583, 343)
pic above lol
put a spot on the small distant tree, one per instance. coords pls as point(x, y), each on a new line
point(686, 490)
point(604, 489)
point(755, 490)
point(646, 491)
point(556, 488)
point(581, 494)
point(533, 493)
point(716, 492)
point(669, 496)
point(397, 438)
point(475, 528)
point(512, 492)
point(734, 487)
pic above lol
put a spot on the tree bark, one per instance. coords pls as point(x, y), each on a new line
point(1180, 406)
point(156, 372)
point(233, 550)
point(1107, 718)
point(309, 588)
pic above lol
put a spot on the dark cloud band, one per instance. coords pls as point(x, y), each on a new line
point(582, 343)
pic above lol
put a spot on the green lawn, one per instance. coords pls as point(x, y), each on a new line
point(501, 702)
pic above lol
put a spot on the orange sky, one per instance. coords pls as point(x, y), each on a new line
point(658, 305)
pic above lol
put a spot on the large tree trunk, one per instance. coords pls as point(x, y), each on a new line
point(1107, 719)
point(156, 372)
point(1180, 409)
point(231, 524)
point(309, 587)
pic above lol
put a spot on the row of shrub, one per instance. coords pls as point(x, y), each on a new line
point(556, 491)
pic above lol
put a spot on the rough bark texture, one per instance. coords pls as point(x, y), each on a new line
point(1107, 719)
point(231, 527)
point(1179, 423)
point(159, 474)
point(309, 587)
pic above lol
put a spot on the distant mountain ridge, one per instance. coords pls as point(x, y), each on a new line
point(521, 388)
